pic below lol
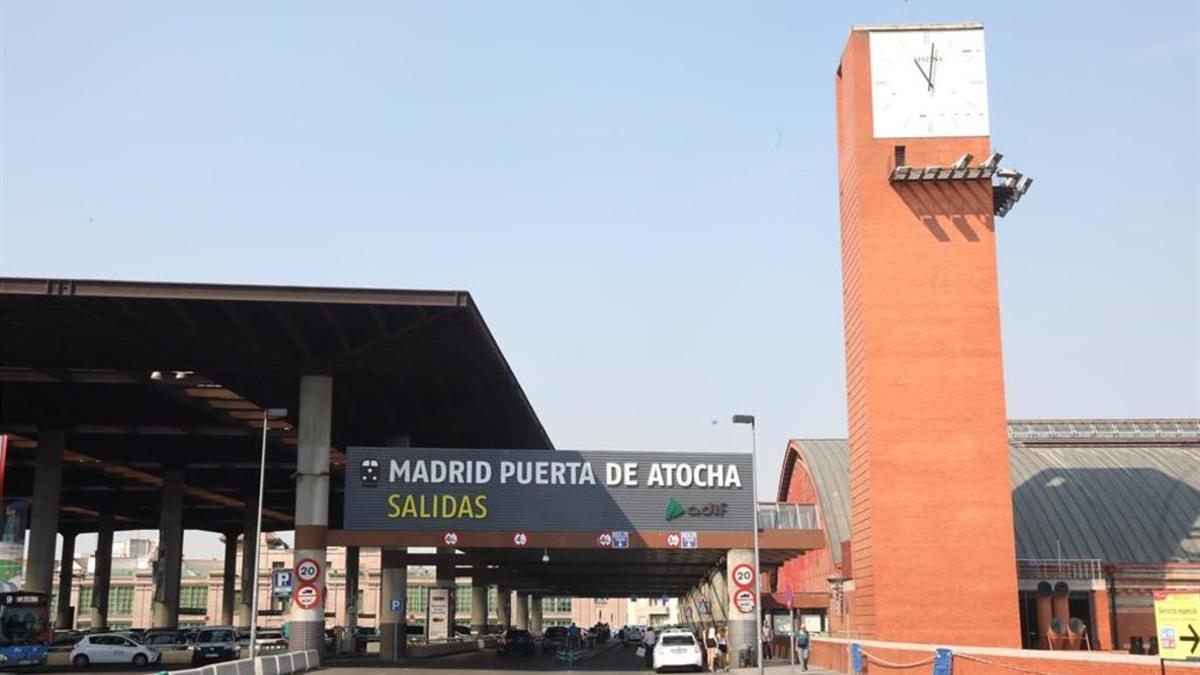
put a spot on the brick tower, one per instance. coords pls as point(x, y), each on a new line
point(932, 551)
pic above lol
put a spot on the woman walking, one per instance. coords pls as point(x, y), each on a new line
point(723, 647)
point(710, 648)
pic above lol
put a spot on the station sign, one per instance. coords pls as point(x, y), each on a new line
point(523, 491)
point(1177, 622)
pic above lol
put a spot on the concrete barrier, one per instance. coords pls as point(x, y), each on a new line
point(284, 663)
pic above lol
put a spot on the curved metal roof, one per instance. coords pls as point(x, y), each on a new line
point(1125, 498)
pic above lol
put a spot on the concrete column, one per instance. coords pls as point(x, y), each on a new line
point(312, 505)
point(714, 590)
point(479, 607)
point(65, 618)
point(503, 606)
point(521, 611)
point(100, 582)
point(744, 630)
point(249, 555)
point(393, 604)
point(352, 606)
point(43, 523)
point(170, 552)
point(535, 614)
point(446, 577)
point(229, 579)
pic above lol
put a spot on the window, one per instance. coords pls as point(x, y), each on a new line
point(85, 597)
point(277, 565)
point(462, 602)
point(417, 599)
point(600, 601)
point(194, 597)
point(900, 155)
point(556, 604)
point(120, 601)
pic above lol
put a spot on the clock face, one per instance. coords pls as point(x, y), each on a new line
point(928, 83)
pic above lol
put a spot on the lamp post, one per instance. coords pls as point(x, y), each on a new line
point(268, 415)
point(758, 620)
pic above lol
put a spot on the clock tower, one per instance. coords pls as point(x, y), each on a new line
point(932, 552)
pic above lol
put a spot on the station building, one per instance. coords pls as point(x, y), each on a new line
point(1104, 514)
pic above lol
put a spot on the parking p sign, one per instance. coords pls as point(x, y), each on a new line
point(281, 583)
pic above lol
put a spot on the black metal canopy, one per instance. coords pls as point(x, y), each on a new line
point(145, 376)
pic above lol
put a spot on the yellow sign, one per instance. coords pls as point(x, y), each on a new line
point(1177, 620)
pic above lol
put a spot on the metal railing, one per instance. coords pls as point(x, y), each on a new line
point(1048, 569)
point(785, 516)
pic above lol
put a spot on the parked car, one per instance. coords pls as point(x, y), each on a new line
point(553, 638)
point(216, 644)
point(678, 650)
point(165, 638)
point(515, 640)
point(269, 639)
point(460, 629)
point(66, 638)
point(112, 648)
point(632, 635)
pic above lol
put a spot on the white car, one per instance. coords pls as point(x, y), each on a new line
point(677, 649)
point(112, 648)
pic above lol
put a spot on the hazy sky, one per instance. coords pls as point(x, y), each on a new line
point(641, 197)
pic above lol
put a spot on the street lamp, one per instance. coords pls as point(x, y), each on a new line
point(758, 627)
point(268, 414)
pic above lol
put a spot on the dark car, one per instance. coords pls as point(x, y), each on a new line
point(165, 638)
point(515, 640)
point(553, 638)
point(216, 644)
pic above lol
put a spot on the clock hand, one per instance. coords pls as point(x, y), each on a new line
point(932, 47)
point(918, 64)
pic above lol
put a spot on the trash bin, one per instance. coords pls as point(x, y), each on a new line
point(1135, 645)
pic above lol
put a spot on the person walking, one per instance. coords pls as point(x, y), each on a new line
point(710, 648)
point(648, 642)
point(723, 647)
point(802, 646)
point(768, 640)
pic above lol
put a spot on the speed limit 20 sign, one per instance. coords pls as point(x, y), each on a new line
point(743, 576)
point(308, 570)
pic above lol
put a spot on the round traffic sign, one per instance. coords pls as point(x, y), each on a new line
point(307, 596)
point(673, 539)
point(604, 540)
point(520, 539)
point(743, 599)
point(451, 538)
point(743, 576)
point(308, 570)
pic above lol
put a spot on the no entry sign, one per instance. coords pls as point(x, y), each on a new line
point(743, 599)
point(743, 576)
point(307, 596)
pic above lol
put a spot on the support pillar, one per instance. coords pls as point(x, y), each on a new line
point(64, 618)
point(446, 577)
point(229, 579)
point(535, 614)
point(169, 566)
point(103, 576)
point(393, 604)
point(521, 611)
point(249, 555)
point(307, 626)
point(504, 607)
point(479, 607)
point(352, 606)
point(43, 523)
point(744, 630)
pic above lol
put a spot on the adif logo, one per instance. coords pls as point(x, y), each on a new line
point(674, 509)
point(368, 472)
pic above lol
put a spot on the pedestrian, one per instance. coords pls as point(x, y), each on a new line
point(648, 641)
point(710, 648)
point(768, 639)
point(573, 636)
point(802, 646)
point(723, 647)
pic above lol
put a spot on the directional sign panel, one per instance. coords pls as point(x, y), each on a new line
point(1177, 621)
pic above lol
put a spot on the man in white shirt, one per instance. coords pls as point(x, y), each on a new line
point(648, 641)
